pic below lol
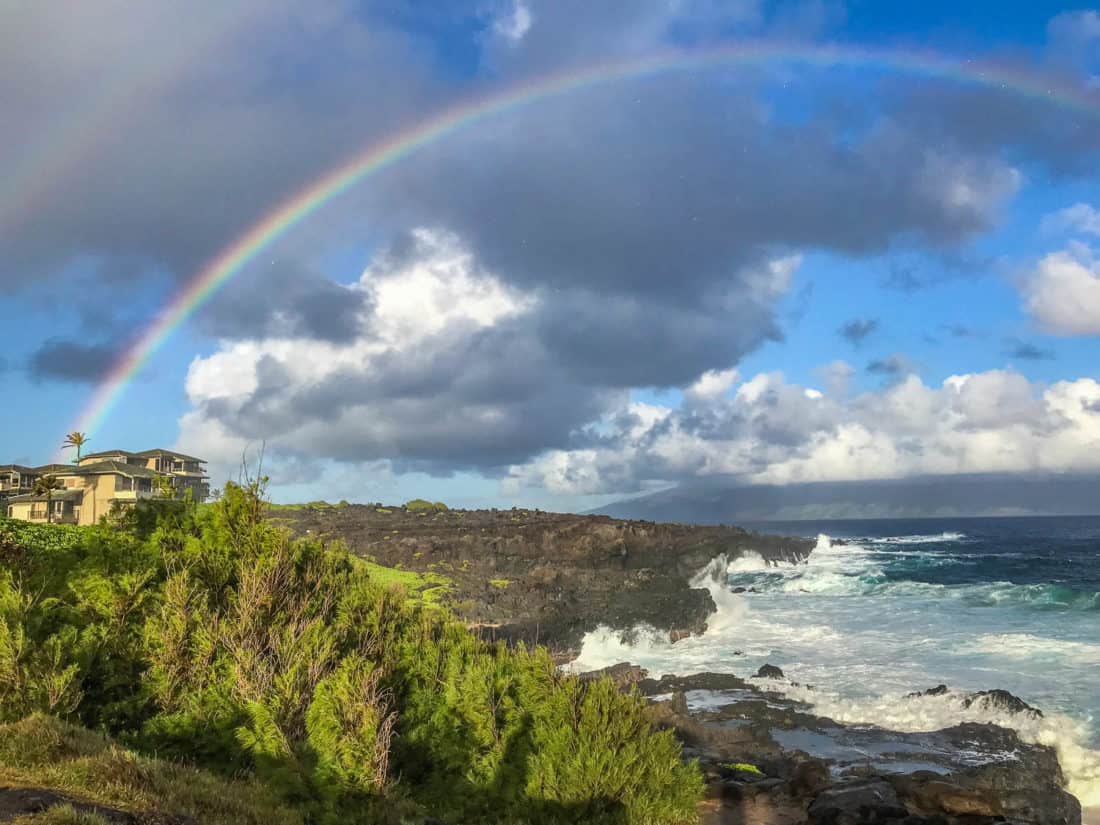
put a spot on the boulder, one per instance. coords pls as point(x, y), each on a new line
point(769, 672)
point(938, 690)
point(868, 802)
point(623, 674)
point(1001, 700)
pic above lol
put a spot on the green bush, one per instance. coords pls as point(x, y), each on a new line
point(420, 505)
point(207, 634)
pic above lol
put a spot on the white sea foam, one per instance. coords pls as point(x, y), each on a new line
point(1029, 646)
point(938, 538)
point(865, 639)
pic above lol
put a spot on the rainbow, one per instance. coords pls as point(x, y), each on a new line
point(376, 157)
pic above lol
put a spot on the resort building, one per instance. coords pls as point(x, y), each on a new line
point(98, 482)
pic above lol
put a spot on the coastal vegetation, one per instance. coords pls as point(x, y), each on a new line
point(297, 682)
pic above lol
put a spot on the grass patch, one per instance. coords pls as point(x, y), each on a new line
point(742, 766)
point(43, 752)
point(500, 583)
point(429, 588)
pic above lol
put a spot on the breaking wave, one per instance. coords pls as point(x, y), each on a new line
point(857, 570)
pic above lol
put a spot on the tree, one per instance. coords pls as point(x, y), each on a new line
point(75, 439)
point(44, 486)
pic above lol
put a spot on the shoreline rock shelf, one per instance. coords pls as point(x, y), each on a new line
point(770, 761)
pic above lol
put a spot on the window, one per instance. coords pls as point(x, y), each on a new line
point(124, 483)
point(58, 508)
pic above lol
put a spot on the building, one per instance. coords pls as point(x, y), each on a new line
point(101, 480)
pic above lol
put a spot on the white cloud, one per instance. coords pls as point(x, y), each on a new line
point(711, 385)
point(437, 295)
point(515, 24)
point(1063, 292)
point(775, 432)
point(1079, 218)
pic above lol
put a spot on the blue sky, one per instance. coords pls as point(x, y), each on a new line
point(768, 273)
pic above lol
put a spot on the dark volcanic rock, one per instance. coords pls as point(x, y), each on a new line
point(696, 681)
point(938, 690)
point(769, 672)
point(564, 574)
point(623, 674)
point(1001, 700)
point(815, 770)
point(868, 802)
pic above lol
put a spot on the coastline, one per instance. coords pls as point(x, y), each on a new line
point(564, 580)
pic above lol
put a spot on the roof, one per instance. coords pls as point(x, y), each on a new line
point(55, 469)
point(174, 453)
point(15, 468)
point(58, 495)
point(144, 454)
point(119, 467)
point(110, 452)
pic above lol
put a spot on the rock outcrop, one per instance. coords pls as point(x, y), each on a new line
point(549, 577)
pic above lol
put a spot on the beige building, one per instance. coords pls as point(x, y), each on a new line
point(92, 487)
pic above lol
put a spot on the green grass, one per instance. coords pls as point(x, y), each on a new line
point(501, 583)
point(43, 752)
point(429, 588)
point(742, 766)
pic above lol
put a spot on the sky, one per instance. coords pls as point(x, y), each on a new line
point(776, 271)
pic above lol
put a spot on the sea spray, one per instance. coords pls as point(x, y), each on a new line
point(715, 578)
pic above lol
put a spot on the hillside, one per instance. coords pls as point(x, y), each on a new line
point(547, 577)
point(717, 500)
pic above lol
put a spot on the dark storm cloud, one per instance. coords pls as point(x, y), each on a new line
point(190, 126)
point(1026, 351)
point(60, 360)
point(643, 215)
point(285, 300)
point(481, 400)
point(1063, 139)
point(857, 330)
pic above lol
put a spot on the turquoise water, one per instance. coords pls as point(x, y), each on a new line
point(906, 605)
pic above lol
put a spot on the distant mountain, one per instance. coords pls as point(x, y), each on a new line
point(722, 500)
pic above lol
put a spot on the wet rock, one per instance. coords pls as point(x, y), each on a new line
point(868, 802)
point(670, 683)
point(624, 674)
point(1001, 700)
point(938, 690)
point(769, 672)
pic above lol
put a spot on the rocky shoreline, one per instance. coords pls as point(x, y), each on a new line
point(525, 575)
point(533, 576)
point(769, 761)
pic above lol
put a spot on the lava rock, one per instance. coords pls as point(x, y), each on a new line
point(624, 674)
point(938, 690)
point(769, 672)
point(857, 803)
point(1001, 700)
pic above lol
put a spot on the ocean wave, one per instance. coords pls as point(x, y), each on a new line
point(1028, 646)
point(856, 570)
point(938, 538)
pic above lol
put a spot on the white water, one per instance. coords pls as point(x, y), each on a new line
point(864, 642)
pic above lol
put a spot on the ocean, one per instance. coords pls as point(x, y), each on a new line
point(883, 608)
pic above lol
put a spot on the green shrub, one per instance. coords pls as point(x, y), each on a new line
point(420, 505)
point(213, 637)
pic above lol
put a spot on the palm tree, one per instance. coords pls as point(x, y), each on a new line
point(75, 439)
point(44, 486)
